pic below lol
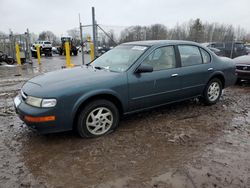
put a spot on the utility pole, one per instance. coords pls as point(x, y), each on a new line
point(28, 46)
point(96, 37)
point(12, 44)
point(94, 31)
point(81, 39)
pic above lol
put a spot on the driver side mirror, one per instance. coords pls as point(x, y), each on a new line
point(144, 68)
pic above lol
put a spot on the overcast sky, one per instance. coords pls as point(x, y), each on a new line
point(59, 16)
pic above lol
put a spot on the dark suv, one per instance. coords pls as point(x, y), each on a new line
point(230, 49)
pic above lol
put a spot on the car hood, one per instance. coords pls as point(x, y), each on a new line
point(77, 78)
point(242, 60)
point(71, 76)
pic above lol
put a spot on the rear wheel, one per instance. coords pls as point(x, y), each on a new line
point(212, 91)
point(75, 53)
point(98, 118)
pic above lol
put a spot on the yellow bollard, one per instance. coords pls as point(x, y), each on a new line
point(38, 54)
point(92, 57)
point(67, 50)
point(18, 57)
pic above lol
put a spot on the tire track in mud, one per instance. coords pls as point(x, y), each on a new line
point(178, 145)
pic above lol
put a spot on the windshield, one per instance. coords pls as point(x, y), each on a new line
point(120, 58)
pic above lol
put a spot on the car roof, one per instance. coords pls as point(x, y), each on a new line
point(160, 42)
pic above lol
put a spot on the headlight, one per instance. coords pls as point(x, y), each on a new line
point(48, 103)
point(33, 101)
point(38, 102)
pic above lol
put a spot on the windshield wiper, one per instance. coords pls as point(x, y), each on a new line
point(98, 67)
point(101, 68)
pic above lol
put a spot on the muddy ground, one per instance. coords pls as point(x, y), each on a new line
point(180, 145)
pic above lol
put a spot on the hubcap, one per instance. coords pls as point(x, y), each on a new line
point(99, 121)
point(213, 91)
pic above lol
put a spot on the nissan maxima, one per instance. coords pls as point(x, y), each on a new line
point(131, 77)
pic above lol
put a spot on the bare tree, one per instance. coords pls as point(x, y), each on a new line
point(48, 35)
point(111, 38)
point(196, 31)
point(156, 32)
point(193, 30)
point(75, 34)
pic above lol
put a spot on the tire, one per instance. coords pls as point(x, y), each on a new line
point(34, 54)
point(10, 61)
point(89, 120)
point(75, 53)
point(212, 92)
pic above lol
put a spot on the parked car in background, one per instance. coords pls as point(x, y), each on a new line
point(217, 51)
point(45, 48)
point(230, 49)
point(242, 68)
point(247, 46)
point(55, 50)
point(129, 78)
point(103, 49)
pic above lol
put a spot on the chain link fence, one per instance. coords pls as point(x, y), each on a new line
point(7, 45)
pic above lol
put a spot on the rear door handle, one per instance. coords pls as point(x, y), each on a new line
point(210, 69)
point(174, 75)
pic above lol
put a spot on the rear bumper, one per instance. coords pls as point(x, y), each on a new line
point(46, 50)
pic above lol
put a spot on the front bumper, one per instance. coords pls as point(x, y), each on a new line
point(242, 74)
point(24, 110)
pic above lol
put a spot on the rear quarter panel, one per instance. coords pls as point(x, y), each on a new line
point(226, 67)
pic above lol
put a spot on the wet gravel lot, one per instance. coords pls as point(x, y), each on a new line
point(181, 145)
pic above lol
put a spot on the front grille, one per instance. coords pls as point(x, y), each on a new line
point(243, 67)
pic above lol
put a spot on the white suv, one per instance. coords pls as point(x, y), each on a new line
point(44, 44)
point(45, 48)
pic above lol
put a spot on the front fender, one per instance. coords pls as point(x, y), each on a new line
point(91, 94)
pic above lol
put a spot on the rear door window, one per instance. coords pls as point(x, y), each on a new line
point(205, 56)
point(190, 55)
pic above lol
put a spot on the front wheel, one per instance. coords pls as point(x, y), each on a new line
point(98, 118)
point(212, 92)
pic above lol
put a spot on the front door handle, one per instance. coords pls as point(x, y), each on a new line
point(174, 75)
point(210, 69)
